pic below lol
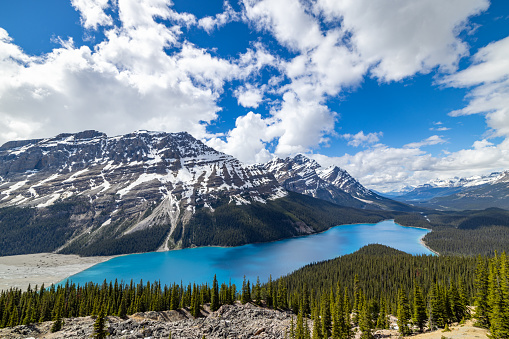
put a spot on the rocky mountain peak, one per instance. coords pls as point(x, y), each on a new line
point(122, 178)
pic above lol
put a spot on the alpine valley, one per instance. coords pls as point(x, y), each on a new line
point(90, 194)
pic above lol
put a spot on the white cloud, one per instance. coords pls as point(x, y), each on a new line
point(210, 23)
point(440, 129)
point(360, 138)
point(490, 74)
point(386, 168)
point(127, 82)
point(400, 38)
point(92, 13)
point(249, 96)
point(288, 20)
point(432, 140)
point(247, 140)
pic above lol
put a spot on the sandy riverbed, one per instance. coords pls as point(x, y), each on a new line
point(35, 269)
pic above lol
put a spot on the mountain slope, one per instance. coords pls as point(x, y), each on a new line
point(117, 186)
point(303, 175)
point(91, 194)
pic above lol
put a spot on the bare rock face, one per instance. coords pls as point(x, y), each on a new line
point(126, 183)
point(230, 321)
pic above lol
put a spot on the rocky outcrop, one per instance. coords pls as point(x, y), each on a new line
point(230, 321)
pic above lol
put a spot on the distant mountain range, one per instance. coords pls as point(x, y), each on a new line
point(476, 192)
point(91, 194)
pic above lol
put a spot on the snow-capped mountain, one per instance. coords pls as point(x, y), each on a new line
point(477, 180)
point(303, 175)
point(475, 192)
point(91, 194)
point(134, 168)
point(127, 183)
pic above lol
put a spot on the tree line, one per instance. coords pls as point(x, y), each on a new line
point(435, 294)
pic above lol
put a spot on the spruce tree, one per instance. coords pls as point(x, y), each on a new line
point(325, 316)
point(365, 321)
point(382, 321)
point(403, 313)
point(419, 308)
point(497, 294)
point(99, 326)
point(214, 298)
point(317, 326)
point(195, 302)
point(481, 294)
point(246, 292)
point(257, 292)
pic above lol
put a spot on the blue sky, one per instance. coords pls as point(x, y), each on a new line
point(396, 92)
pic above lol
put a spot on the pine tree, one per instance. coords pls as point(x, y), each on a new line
point(365, 321)
point(214, 298)
point(382, 321)
point(325, 316)
point(481, 294)
point(419, 308)
point(497, 297)
point(14, 319)
point(403, 313)
point(195, 302)
point(257, 291)
point(57, 323)
point(282, 297)
point(299, 332)
point(99, 326)
point(246, 292)
point(317, 326)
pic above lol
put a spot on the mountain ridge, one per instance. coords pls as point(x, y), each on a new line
point(304, 175)
point(475, 192)
point(147, 191)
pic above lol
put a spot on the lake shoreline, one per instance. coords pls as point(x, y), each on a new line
point(50, 268)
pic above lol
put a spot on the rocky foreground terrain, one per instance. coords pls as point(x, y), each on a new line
point(230, 321)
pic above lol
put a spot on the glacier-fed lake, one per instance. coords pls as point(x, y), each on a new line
point(255, 260)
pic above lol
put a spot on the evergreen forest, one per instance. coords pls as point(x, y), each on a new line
point(358, 290)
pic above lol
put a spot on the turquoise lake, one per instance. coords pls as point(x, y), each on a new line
point(276, 258)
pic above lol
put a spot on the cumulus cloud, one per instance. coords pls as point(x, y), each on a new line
point(287, 20)
point(128, 81)
point(385, 168)
point(360, 138)
point(390, 41)
point(247, 140)
point(210, 23)
point(92, 12)
point(146, 74)
point(249, 96)
point(401, 38)
point(489, 75)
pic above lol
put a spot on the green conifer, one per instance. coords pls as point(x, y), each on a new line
point(99, 326)
point(403, 313)
point(419, 308)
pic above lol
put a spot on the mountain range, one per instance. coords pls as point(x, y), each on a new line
point(91, 194)
point(472, 193)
